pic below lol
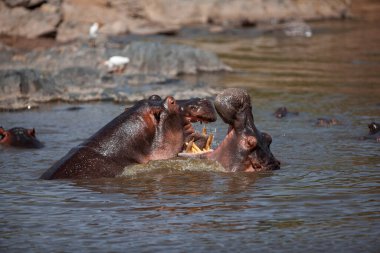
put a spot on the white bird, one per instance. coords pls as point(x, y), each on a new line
point(117, 63)
point(93, 31)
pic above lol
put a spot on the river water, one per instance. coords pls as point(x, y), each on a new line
point(325, 197)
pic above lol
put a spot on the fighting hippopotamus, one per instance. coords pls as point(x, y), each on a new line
point(19, 137)
point(244, 148)
point(152, 129)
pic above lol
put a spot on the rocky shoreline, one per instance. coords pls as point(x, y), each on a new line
point(67, 20)
point(75, 73)
point(45, 54)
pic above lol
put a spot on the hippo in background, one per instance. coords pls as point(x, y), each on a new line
point(325, 122)
point(19, 137)
point(244, 148)
point(152, 129)
point(374, 131)
point(283, 112)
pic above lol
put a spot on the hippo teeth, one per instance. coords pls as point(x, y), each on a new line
point(191, 147)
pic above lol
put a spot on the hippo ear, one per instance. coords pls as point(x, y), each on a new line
point(170, 103)
point(32, 132)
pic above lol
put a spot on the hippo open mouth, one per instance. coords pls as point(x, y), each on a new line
point(244, 148)
point(196, 110)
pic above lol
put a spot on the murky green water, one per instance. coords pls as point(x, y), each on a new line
point(325, 198)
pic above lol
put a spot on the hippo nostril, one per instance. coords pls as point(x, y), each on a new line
point(276, 164)
point(267, 138)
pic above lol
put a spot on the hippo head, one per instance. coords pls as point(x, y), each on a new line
point(171, 120)
point(180, 117)
point(281, 112)
point(20, 137)
point(196, 110)
point(244, 148)
point(159, 128)
point(374, 128)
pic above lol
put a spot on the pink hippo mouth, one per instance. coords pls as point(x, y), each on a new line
point(245, 148)
point(196, 110)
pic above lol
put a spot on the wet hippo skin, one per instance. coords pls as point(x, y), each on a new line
point(152, 129)
point(283, 112)
point(244, 148)
point(374, 131)
point(19, 137)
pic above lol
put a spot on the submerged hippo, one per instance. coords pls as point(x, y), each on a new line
point(19, 137)
point(374, 131)
point(282, 112)
point(152, 129)
point(324, 122)
point(244, 148)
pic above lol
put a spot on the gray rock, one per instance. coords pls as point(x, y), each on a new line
point(33, 18)
point(146, 58)
point(169, 59)
point(77, 76)
point(14, 3)
point(167, 16)
point(21, 89)
point(74, 72)
point(29, 23)
point(26, 82)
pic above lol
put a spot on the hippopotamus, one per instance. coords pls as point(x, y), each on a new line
point(374, 131)
point(323, 122)
point(282, 112)
point(245, 148)
point(19, 137)
point(152, 129)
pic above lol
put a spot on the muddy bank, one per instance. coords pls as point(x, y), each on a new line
point(75, 73)
point(67, 20)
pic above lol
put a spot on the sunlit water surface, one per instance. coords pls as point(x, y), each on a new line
point(325, 198)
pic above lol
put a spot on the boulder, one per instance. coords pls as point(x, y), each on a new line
point(169, 60)
point(23, 88)
point(34, 18)
point(80, 15)
point(34, 23)
point(74, 73)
